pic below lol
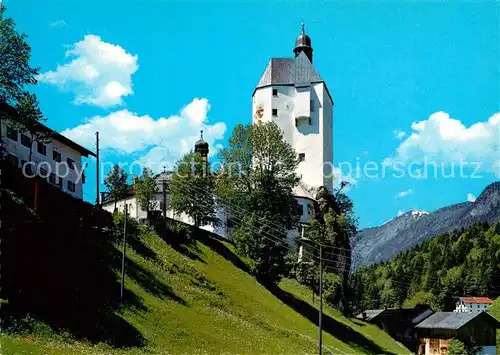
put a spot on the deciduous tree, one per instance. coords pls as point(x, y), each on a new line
point(256, 186)
point(116, 183)
point(192, 190)
point(146, 190)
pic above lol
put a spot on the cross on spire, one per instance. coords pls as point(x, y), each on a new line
point(201, 133)
point(303, 27)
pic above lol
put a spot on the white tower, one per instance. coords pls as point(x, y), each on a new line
point(293, 94)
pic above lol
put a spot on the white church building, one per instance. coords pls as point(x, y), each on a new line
point(292, 94)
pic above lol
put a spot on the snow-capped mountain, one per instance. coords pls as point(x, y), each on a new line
point(401, 233)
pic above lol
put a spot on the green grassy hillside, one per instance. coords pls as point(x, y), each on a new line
point(199, 299)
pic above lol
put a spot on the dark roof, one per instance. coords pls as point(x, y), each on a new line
point(452, 320)
point(12, 112)
point(370, 314)
point(400, 315)
point(297, 71)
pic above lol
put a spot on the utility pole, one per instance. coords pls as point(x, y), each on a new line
point(320, 326)
point(97, 168)
point(123, 253)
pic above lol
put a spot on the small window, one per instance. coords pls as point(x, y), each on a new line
point(41, 148)
point(42, 172)
point(275, 92)
point(275, 112)
point(71, 186)
point(312, 105)
point(71, 163)
point(12, 134)
point(25, 140)
point(56, 156)
point(60, 183)
point(52, 178)
point(302, 157)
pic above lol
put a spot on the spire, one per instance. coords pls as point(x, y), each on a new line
point(201, 146)
point(303, 44)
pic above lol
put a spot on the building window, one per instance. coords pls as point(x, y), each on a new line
point(60, 183)
point(275, 92)
point(71, 163)
point(52, 178)
point(41, 148)
point(12, 134)
point(42, 172)
point(312, 105)
point(71, 186)
point(275, 112)
point(302, 157)
point(56, 156)
point(13, 160)
point(26, 141)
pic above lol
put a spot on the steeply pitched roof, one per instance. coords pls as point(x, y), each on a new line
point(452, 320)
point(297, 71)
point(476, 300)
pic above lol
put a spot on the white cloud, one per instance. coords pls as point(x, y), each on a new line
point(442, 139)
point(98, 73)
point(58, 24)
point(162, 141)
point(405, 193)
point(400, 213)
point(399, 134)
point(471, 197)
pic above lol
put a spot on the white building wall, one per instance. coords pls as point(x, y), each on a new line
point(314, 139)
point(46, 161)
point(135, 211)
point(471, 307)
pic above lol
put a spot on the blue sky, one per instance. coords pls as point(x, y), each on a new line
point(129, 68)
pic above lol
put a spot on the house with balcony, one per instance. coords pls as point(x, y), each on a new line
point(45, 153)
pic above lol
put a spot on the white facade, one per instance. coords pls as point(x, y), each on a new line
point(63, 160)
point(135, 211)
point(469, 304)
point(305, 115)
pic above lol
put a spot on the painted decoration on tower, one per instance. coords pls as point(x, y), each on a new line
point(259, 112)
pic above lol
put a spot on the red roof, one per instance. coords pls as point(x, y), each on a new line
point(476, 300)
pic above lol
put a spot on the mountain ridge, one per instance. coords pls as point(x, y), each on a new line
point(379, 243)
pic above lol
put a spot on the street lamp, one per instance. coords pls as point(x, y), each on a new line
point(320, 310)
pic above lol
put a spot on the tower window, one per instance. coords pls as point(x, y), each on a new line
point(302, 157)
point(275, 92)
point(275, 112)
point(312, 105)
point(71, 186)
